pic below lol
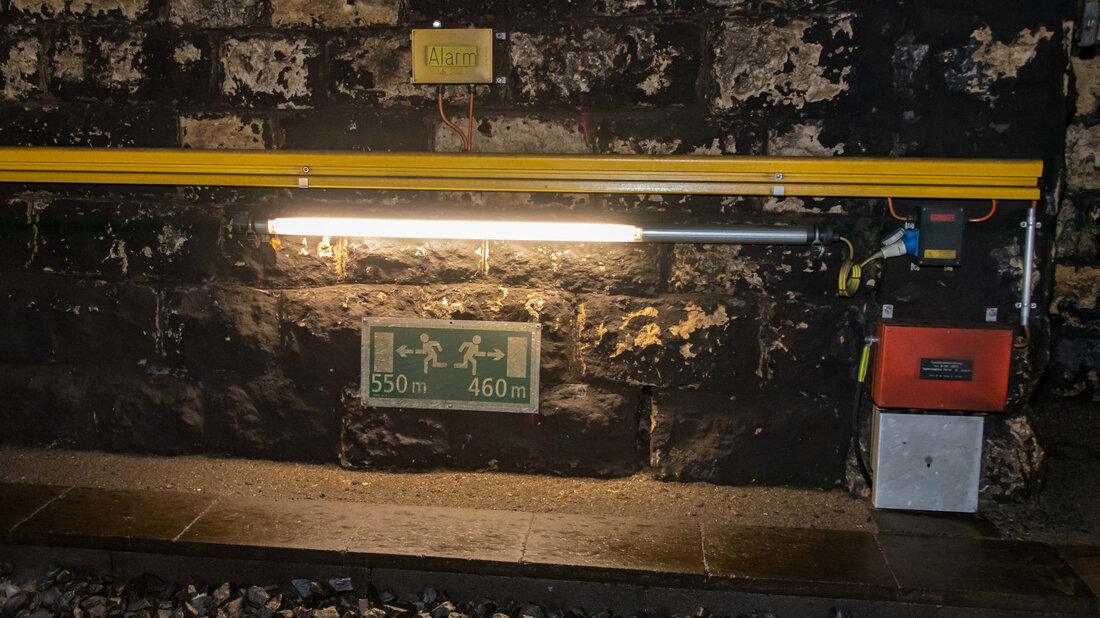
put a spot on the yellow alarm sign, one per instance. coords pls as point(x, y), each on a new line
point(452, 56)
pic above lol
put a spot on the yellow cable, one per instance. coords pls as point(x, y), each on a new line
point(850, 273)
point(863, 361)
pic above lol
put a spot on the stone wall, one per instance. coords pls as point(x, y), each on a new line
point(134, 320)
point(1067, 415)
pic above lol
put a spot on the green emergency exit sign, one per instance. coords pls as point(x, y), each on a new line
point(460, 364)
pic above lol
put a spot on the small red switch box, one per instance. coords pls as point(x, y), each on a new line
point(936, 366)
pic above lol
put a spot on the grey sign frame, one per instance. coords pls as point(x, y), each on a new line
point(532, 328)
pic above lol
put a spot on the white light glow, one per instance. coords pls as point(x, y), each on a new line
point(471, 230)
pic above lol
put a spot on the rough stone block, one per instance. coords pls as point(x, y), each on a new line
point(606, 67)
point(208, 14)
point(979, 67)
point(147, 409)
point(150, 64)
point(90, 125)
point(19, 67)
point(118, 407)
point(119, 238)
point(221, 328)
point(1086, 75)
point(803, 140)
point(1076, 294)
point(774, 271)
point(1067, 429)
point(119, 64)
point(225, 132)
point(1077, 236)
point(46, 405)
point(319, 261)
point(517, 135)
point(715, 268)
point(57, 319)
point(678, 133)
point(269, 72)
point(749, 437)
point(810, 345)
point(323, 326)
point(125, 9)
point(333, 13)
point(611, 268)
point(376, 71)
point(1012, 459)
point(495, 12)
point(271, 416)
point(792, 63)
point(681, 340)
point(17, 239)
point(621, 8)
point(44, 10)
point(181, 64)
point(38, 9)
point(1074, 372)
point(580, 429)
point(68, 57)
point(1082, 160)
point(356, 130)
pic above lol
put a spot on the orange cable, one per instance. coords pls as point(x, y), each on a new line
point(890, 204)
point(449, 123)
point(991, 211)
point(470, 125)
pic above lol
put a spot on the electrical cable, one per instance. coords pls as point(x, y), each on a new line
point(454, 128)
point(470, 123)
point(890, 205)
point(894, 214)
point(862, 375)
point(991, 211)
point(851, 272)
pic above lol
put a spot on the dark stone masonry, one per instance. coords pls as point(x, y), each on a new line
point(133, 319)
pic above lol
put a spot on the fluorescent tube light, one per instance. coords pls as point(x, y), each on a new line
point(539, 232)
point(469, 230)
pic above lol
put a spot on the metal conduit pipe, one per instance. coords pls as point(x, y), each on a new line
point(1029, 261)
point(742, 235)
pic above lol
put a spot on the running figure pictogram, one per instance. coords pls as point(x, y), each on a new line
point(430, 350)
point(469, 350)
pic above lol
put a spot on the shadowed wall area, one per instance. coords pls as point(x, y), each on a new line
point(133, 319)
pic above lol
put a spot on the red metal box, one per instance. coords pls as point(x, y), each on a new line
point(936, 366)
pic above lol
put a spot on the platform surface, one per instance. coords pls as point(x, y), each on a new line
point(910, 560)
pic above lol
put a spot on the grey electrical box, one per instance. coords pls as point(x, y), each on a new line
point(926, 462)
